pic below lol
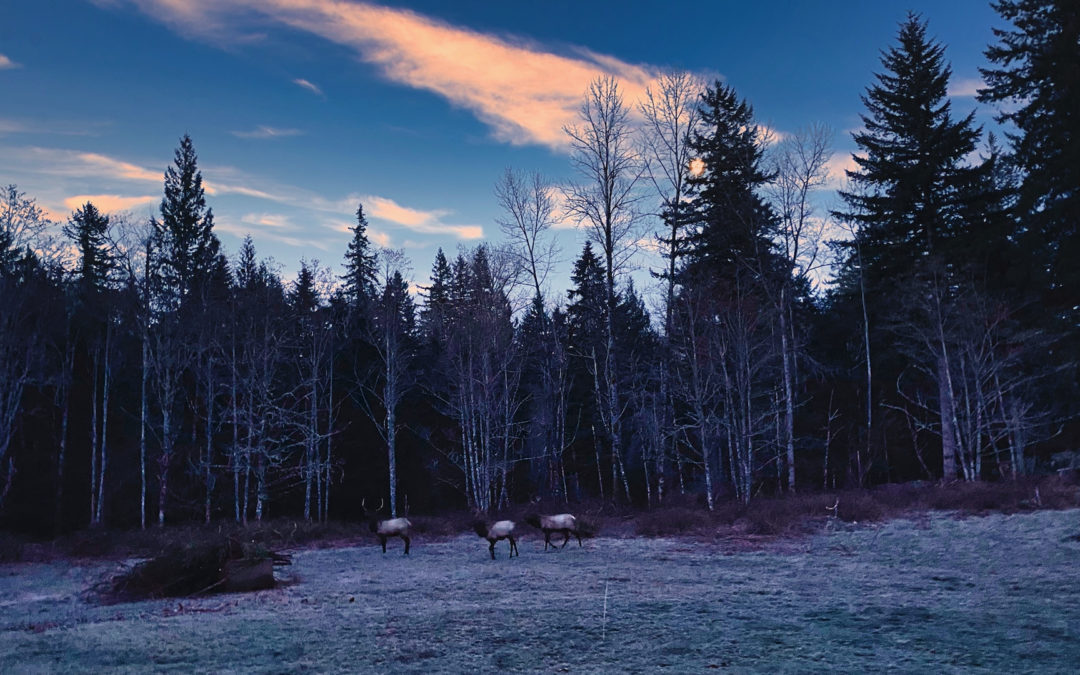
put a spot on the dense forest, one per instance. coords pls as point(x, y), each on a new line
point(925, 329)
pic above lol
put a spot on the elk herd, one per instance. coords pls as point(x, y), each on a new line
point(563, 523)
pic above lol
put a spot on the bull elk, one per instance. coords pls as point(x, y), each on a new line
point(563, 522)
point(384, 529)
point(497, 531)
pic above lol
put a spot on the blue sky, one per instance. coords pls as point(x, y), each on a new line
point(301, 108)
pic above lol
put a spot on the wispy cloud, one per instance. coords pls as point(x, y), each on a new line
point(88, 169)
point(524, 92)
point(109, 203)
point(239, 231)
point(425, 222)
point(74, 163)
point(310, 86)
point(965, 87)
point(262, 131)
point(271, 220)
point(6, 63)
point(8, 126)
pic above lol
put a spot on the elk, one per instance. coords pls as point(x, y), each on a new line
point(383, 529)
point(563, 522)
point(502, 529)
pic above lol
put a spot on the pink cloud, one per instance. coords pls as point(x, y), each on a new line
point(524, 93)
point(426, 222)
point(108, 203)
point(837, 165)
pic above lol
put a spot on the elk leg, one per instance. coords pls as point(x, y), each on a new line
point(547, 539)
point(566, 533)
point(513, 547)
point(578, 535)
point(382, 540)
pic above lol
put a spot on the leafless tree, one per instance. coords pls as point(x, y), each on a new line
point(605, 202)
point(801, 170)
point(528, 204)
point(390, 337)
point(671, 116)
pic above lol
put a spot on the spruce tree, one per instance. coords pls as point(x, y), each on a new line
point(734, 221)
point(1037, 77)
point(913, 179)
point(88, 230)
point(361, 265)
point(185, 243)
point(908, 204)
point(437, 306)
point(587, 308)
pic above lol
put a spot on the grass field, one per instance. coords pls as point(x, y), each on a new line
point(995, 593)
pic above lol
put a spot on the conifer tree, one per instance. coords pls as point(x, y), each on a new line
point(185, 243)
point(1037, 77)
point(908, 201)
point(361, 265)
point(88, 230)
point(734, 221)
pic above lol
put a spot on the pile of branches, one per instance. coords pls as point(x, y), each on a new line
point(199, 568)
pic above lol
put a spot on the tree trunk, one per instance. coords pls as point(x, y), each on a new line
point(789, 392)
point(106, 387)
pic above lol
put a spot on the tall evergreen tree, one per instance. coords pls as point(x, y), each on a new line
point(1037, 76)
point(913, 178)
point(734, 221)
point(88, 230)
point(436, 309)
point(908, 202)
point(185, 242)
point(361, 265)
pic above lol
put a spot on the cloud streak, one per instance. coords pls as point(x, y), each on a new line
point(7, 64)
point(109, 203)
point(89, 169)
point(310, 86)
point(263, 131)
point(424, 222)
point(965, 87)
point(524, 93)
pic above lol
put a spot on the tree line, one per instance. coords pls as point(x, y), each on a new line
point(149, 378)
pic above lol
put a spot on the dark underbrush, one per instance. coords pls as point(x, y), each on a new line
point(680, 516)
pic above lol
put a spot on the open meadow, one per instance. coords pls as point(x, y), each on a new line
point(935, 594)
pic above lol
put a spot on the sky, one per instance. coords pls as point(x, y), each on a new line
point(301, 109)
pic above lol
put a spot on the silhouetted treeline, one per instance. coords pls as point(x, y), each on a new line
point(924, 329)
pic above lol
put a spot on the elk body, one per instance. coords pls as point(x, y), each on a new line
point(497, 531)
point(384, 529)
point(563, 522)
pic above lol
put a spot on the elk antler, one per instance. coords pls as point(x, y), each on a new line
point(382, 503)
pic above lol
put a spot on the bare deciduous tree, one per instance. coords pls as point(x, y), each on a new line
point(671, 116)
point(800, 170)
point(605, 202)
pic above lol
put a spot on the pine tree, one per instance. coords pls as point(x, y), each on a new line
point(187, 248)
point(912, 179)
point(587, 308)
point(1038, 78)
point(88, 229)
point(437, 306)
point(734, 220)
point(361, 265)
point(910, 195)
